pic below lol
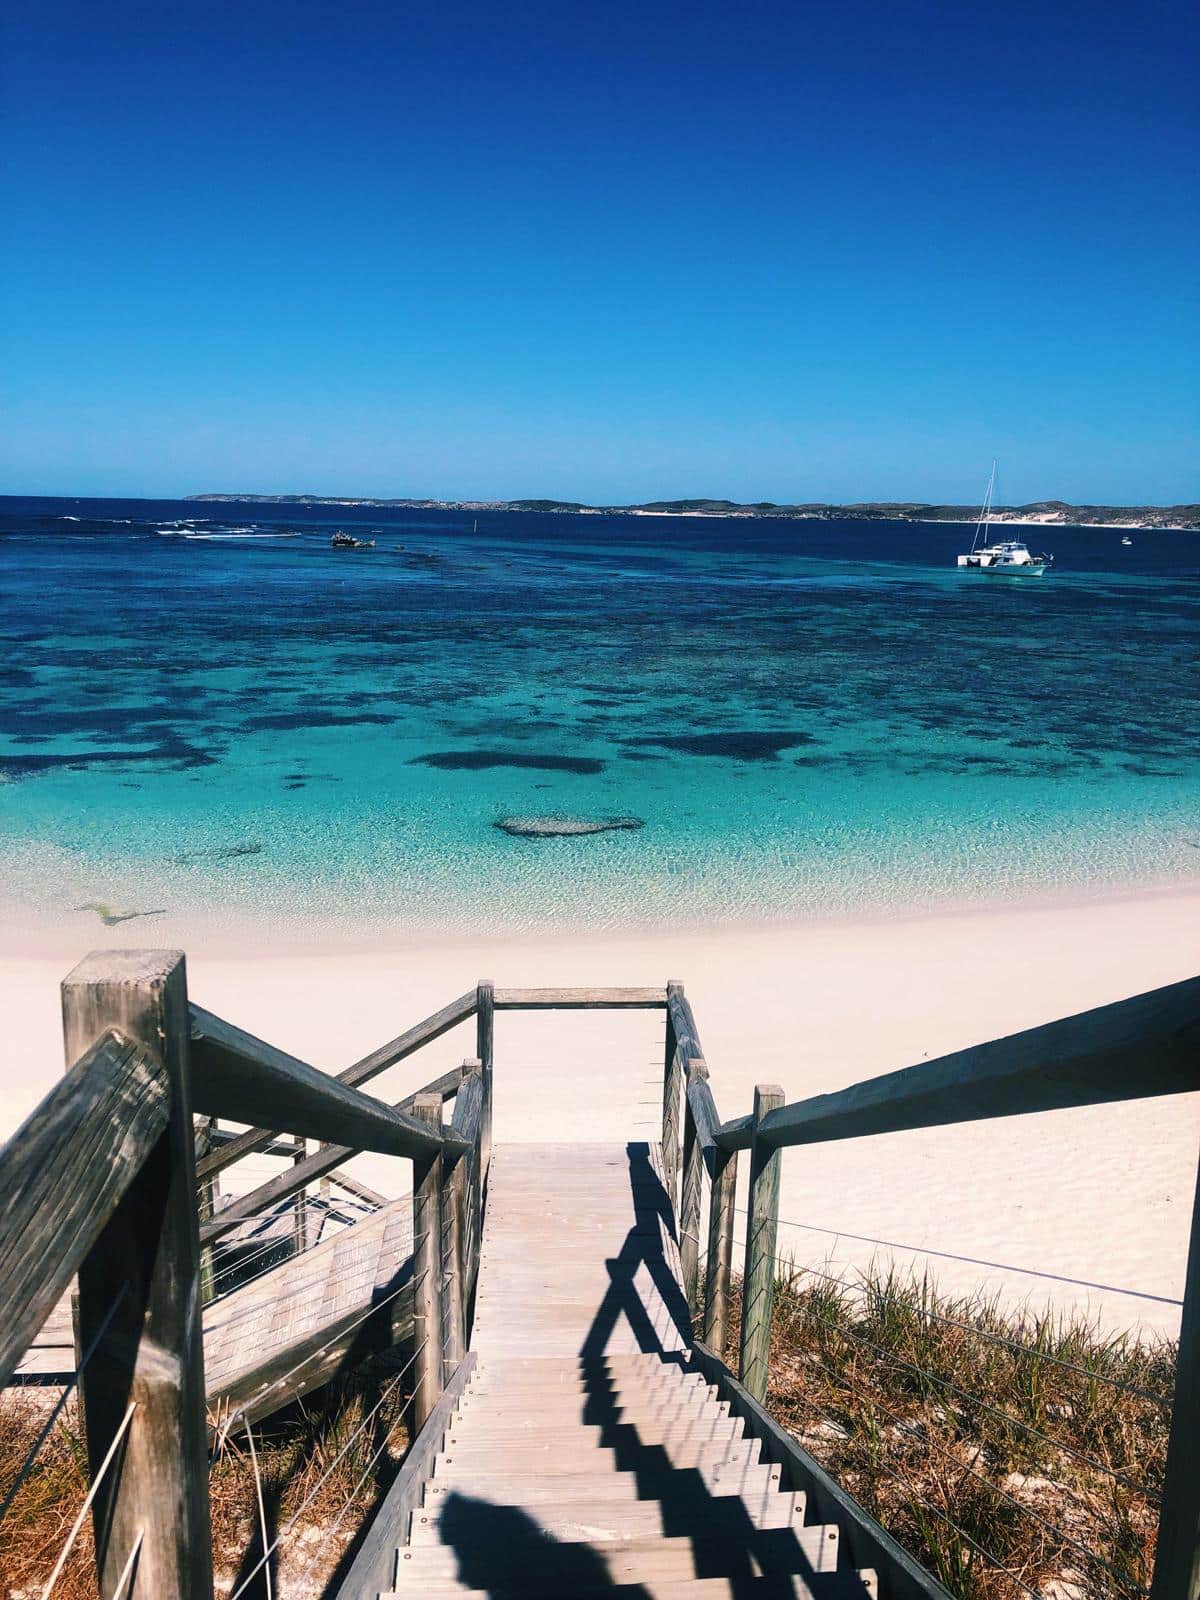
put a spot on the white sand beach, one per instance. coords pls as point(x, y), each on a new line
point(1102, 1194)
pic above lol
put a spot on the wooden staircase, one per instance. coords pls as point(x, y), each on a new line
point(584, 1456)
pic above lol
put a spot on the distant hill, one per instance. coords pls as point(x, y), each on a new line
point(1041, 513)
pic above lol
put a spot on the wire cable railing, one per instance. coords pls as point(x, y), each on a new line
point(986, 1405)
point(977, 1261)
point(938, 1511)
point(389, 1390)
point(868, 1288)
point(59, 1406)
point(908, 1425)
point(94, 1489)
point(254, 1403)
point(121, 1588)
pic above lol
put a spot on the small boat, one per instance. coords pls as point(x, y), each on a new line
point(1007, 558)
point(347, 541)
point(1127, 540)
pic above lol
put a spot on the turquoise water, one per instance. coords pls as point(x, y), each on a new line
point(223, 717)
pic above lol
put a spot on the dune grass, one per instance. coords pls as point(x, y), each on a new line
point(323, 1461)
point(1010, 1453)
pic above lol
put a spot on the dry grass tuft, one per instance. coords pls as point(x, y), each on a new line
point(324, 1462)
point(957, 1424)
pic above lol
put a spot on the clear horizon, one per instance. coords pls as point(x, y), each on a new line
point(798, 253)
point(606, 505)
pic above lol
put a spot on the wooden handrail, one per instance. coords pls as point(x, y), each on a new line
point(293, 1179)
point(213, 1138)
point(462, 1196)
point(387, 1055)
point(683, 1023)
point(238, 1076)
point(580, 999)
point(1134, 1049)
point(103, 1172)
point(62, 1175)
point(703, 1109)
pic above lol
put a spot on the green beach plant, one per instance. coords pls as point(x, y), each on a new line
point(1013, 1452)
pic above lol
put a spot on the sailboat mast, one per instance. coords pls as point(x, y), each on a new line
point(985, 514)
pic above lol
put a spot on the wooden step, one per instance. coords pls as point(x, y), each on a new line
point(499, 1390)
point(498, 1383)
point(585, 1410)
point(669, 1430)
point(610, 1521)
point(541, 1366)
point(752, 1483)
point(566, 1457)
point(519, 1551)
point(779, 1586)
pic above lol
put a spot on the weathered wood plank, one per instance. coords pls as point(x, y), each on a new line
point(292, 1328)
point(1177, 1556)
point(471, 1121)
point(687, 1036)
point(719, 1271)
point(578, 999)
point(736, 1134)
point(325, 1160)
point(1149, 1045)
point(387, 1055)
point(360, 1191)
point(373, 1568)
point(692, 1192)
point(458, 1218)
point(762, 1220)
point(672, 1096)
point(62, 1175)
point(238, 1076)
point(427, 1269)
point(485, 1047)
point(704, 1114)
point(148, 1351)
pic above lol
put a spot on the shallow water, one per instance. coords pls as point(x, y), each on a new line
point(206, 709)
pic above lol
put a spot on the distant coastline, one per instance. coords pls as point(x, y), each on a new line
point(1041, 513)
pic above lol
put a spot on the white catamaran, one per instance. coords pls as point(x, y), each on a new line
point(1008, 557)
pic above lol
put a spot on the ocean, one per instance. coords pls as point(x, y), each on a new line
point(208, 712)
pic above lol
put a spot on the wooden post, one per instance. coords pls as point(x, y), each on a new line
point(720, 1251)
point(485, 1027)
point(693, 1195)
point(206, 1204)
point(427, 1268)
point(762, 1220)
point(1177, 1556)
point(300, 1221)
point(151, 1355)
point(454, 1218)
point(471, 1204)
point(671, 1094)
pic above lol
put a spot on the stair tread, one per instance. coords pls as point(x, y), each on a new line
point(776, 1586)
point(521, 1543)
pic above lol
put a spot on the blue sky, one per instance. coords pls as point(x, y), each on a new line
point(606, 252)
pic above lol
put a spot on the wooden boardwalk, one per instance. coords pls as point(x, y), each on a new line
point(584, 1456)
point(568, 1436)
point(291, 1328)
